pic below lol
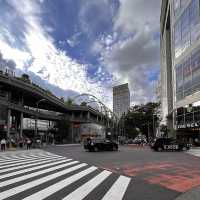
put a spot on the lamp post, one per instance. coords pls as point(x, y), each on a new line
point(36, 118)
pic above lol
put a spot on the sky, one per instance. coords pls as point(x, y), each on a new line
point(84, 46)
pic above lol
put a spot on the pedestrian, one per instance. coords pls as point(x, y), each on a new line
point(20, 143)
point(3, 144)
point(28, 144)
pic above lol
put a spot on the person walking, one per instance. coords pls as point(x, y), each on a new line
point(3, 144)
point(28, 143)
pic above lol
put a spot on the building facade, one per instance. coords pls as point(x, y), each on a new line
point(121, 99)
point(180, 67)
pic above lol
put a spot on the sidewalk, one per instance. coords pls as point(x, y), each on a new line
point(193, 194)
point(67, 145)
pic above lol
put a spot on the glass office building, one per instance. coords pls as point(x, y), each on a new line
point(180, 66)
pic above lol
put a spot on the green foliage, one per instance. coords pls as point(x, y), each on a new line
point(69, 102)
point(141, 117)
point(25, 77)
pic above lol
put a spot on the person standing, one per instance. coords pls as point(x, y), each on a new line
point(3, 144)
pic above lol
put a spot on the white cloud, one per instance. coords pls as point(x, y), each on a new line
point(44, 59)
point(133, 52)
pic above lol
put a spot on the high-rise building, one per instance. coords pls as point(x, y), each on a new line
point(121, 99)
point(180, 66)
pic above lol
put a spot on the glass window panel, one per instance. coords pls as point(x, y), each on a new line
point(187, 77)
point(183, 3)
point(195, 67)
point(177, 5)
point(194, 20)
point(179, 82)
point(185, 29)
point(177, 39)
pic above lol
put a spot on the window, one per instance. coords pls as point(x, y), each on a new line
point(185, 30)
point(177, 6)
point(177, 39)
point(179, 82)
point(195, 67)
point(187, 77)
point(194, 20)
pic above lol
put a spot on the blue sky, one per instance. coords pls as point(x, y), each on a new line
point(84, 46)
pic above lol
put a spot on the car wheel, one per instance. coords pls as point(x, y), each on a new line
point(184, 148)
point(159, 149)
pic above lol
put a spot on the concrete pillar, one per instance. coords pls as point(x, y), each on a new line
point(81, 115)
point(88, 115)
point(8, 123)
point(21, 124)
point(72, 115)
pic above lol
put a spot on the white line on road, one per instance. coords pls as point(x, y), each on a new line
point(31, 175)
point(118, 189)
point(85, 189)
point(33, 168)
point(6, 163)
point(58, 186)
point(37, 162)
point(26, 186)
point(27, 156)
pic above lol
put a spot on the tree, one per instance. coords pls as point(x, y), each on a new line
point(25, 77)
point(63, 130)
point(69, 102)
point(62, 99)
point(143, 118)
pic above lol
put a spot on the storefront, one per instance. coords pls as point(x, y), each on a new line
point(188, 122)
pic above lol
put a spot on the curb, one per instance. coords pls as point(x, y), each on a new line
point(67, 145)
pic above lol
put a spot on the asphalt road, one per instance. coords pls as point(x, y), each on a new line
point(71, 173)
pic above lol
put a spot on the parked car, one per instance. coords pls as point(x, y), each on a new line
point(169, 144)
point(100, 145)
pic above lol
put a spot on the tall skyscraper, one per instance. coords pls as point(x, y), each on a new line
point(121, 99)
point(180, 66)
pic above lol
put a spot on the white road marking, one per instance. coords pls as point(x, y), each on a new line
point(33, 168)
point(9, 158)
point(26, 186)
point(20, 163)
point(118, 189)
point(194, 152)
point(61, 184)
point(31, 175)
point(36, 162)
point(14, 163)
point(85, 189)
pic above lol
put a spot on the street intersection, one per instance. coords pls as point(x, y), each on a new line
point(71, 173)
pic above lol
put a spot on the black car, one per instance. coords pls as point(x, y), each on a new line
point(100, 145)
point(169, 144)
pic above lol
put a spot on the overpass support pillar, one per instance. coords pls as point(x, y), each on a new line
point(21, 124)
point(8, 123)
point(88, 115)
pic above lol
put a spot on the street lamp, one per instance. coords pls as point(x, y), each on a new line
point(36, 119)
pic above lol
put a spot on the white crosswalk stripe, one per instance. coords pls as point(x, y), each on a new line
point(14, 163)
point(118, 189)
point(84, 190)
point(19, 178)
point(35, 162)
point(194, 152)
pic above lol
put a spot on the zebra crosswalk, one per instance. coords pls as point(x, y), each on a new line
point(194, 152)
point(37, 175)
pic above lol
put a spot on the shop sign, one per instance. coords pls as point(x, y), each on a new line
point(189, 125)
